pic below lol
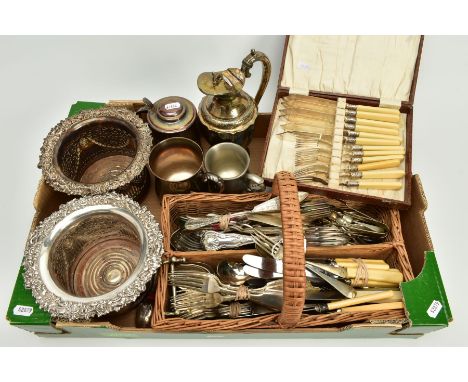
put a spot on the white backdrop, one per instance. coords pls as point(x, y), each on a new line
point(40, 77)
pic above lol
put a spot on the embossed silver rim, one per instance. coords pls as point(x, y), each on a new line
point(56, 179)
point(58, 302)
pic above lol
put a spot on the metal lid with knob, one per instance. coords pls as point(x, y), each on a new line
point(170, 114)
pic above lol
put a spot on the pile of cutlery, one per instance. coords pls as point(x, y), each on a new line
point(255, 287)
point(326, 223)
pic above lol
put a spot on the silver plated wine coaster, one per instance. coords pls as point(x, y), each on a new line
point(93, 256)
point(97, 151)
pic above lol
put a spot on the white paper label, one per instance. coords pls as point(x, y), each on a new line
point(303, 66)
point(434, 309)
point(21, 310)
point(173, 105)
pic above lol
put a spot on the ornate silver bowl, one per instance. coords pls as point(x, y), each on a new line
point(98, 151)
point(93, 256)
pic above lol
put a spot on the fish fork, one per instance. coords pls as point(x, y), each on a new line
point(193, 304)
point(270, 295)
point(224, 311)
point(326, 236)
point(271, 246)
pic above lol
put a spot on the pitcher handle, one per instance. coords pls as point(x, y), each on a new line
point(247, 64)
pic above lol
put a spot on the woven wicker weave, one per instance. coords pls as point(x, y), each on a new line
point(294, 281)
point(291, 316)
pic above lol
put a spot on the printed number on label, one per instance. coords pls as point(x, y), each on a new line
point(173, 105)
point(434, 309)
point(21, 310)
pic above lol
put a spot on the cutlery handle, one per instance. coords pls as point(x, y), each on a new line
point(366, 261)
point(397, 295)
point(377, 130)
point(197, 223)
point(382, 158)
point(374, 307)
point(379, 135)
point(378, 153)
point(360, 300)
point(385, 125)
point(393, 174)
point(376, 109)
point(395, 118)
point(365, 148)
point(350, 264)
point(215, 241)
point(394, 277)
point(271, 298)
point(379, 165)
point(378, 142)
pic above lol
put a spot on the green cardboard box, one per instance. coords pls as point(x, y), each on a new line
point(426, 305)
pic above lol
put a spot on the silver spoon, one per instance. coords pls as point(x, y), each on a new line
point(232, 273)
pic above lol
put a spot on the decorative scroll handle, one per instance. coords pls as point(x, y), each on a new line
point(247, 64)
point(215, 241)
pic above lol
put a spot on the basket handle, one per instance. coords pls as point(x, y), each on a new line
point(294, 280)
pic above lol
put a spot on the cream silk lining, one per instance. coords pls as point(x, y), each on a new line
point(371, 66)
point(281, 154)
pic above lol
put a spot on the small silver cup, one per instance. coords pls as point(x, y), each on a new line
point(230, 162)
point(177, 165)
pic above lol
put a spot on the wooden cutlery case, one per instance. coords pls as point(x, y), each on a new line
point(363, 70)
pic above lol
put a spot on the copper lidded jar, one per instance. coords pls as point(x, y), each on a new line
point(171, 117)
point(227, 113)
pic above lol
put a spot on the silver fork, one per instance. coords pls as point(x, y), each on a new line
point(269, 296)
point(192, 304)
point(222, 311)
point(204, 282)
point(195, 299)
point(267, 244)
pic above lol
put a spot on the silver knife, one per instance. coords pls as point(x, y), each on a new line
point(269, 264)
point(311, 272)
point(345, 289)
point(261, 273)
point(273, 204)
point(312, 293)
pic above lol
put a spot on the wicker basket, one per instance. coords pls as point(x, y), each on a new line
point(294, 282)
